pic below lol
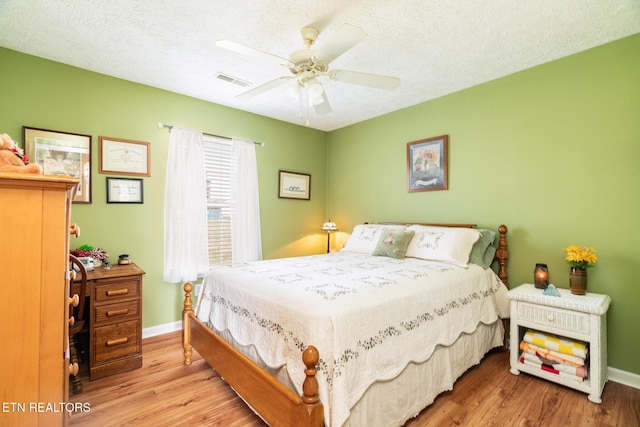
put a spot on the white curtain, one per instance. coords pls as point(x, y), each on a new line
point(246, 242)
point(185, 208)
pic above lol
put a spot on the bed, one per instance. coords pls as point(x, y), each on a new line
point(373, 332)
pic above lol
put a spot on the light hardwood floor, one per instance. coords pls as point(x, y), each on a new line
point(164, 392)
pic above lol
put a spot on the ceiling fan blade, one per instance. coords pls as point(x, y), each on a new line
point(263, 88)
point(324, 107)
point(365, 79)
point(246, 50)
point(341, 41)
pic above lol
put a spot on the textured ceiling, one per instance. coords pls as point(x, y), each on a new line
point(435, 47)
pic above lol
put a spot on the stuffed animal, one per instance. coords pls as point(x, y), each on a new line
point(12, 158)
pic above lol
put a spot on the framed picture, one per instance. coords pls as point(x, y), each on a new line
point(427, 164)
point(125, 190)
point(124, 157)
point(61, 153)
point(293, 185)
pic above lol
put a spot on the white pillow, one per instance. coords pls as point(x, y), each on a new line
point(445, 244)
point(364, 237)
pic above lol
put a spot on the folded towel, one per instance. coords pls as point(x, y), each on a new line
point(559, 366)
point(554, 355)
point(551, 370)
point(552, 342)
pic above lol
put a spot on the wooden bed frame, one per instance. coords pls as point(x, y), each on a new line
point(276, 404)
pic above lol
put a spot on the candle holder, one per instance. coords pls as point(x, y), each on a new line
point(541, 276)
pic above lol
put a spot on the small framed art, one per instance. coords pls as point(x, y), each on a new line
point(124, 157)
point(427, 164)
point(61, 153)
point(293, 185)
point(125, 190)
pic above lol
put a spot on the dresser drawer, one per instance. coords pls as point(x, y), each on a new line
point(556, 317)
point(116, 341)
point(116, 312)
point(111, 291)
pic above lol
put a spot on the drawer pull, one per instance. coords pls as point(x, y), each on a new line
point(73, 369)
point(117, 312)
point(74, 300)
point(117, 342)
point(550, 317)
point(117, 292)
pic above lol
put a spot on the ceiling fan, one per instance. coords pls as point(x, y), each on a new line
point(306, 65)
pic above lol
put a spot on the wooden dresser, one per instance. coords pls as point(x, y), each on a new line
point(115, 319)
point(34, 298)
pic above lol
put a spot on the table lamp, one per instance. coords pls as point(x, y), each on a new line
point(329, 227)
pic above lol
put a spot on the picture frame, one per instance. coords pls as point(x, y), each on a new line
point(61, 153)
point(125, 190)
point(294, 185)
point(427, 164)
point(124, 156)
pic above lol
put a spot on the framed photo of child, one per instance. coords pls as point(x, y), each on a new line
point(61, 153)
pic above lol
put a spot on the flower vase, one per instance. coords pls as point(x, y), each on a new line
point(97, 263)
point(578, 281)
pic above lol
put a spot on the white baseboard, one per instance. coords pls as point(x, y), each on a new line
point(624, 377)
point(615, 375)
point(161, 329)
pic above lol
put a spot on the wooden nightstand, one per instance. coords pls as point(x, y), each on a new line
point(572, 316)
point(115, 319)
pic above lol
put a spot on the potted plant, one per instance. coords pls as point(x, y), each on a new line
point(579, 258)
point(99, 255)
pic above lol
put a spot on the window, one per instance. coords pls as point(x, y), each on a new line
point(217, 154)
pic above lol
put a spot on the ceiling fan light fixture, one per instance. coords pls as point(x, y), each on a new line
point(315, 88)
point(295, 90)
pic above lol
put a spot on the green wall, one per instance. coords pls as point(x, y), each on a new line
point(45, 94)
point(552, 152)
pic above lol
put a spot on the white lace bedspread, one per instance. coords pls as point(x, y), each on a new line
point(368, 316)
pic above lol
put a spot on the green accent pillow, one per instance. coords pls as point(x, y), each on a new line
point(483, 249)
point(489, 254)
point(393, 243)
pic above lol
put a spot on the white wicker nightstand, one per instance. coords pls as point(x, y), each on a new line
point(580, 317)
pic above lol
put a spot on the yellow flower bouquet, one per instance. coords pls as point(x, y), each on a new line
point(580, 257)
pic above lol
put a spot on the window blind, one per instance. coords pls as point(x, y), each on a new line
point(217, 153)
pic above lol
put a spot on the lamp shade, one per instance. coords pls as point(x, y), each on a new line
point(329, 226)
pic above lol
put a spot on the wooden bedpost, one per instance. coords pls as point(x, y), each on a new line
point(502, 255)
point(186, 323)
point(313, 412)
point(310, 359)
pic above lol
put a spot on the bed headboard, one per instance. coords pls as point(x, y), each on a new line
point(428, 223)
point(502, 251)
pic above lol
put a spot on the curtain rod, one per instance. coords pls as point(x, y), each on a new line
point(162, 125)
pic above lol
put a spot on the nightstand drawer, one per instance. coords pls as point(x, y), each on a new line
point(556, 317)
point(116, 341)
point(116, 291)
point(116, 312)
